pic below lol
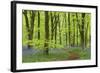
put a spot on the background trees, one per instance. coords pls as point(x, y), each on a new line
point(29, 24)
point(50, 29)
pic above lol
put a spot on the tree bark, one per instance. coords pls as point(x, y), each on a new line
point(79, 29)
point(59, 29)
point(56, 22)
point(46, 32)
point(74, 30)
point(82, 29)
point(69, 26)
point(51, 26)
point(30, 36)
point(65, 27)
point(38, 25)
point(77, 26)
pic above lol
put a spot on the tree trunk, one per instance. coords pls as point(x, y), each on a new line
point(73, 31)
point(52, 25)
point(69, 26)
point(82, 31)
point(86, 33)
point(31, 28)
point(46, 32)
point(59, 29)
point(30, 36)
point(56, 22)
point(38, 25)
point(78, 29)
point(65, 28)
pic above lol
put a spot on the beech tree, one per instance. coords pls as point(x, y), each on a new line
point(29, 25)
point(52, 29)
point(46, 32)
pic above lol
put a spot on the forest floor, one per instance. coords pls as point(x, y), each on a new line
point(37, 55)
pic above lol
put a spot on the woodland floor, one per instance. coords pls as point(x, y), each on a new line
point(35, 55)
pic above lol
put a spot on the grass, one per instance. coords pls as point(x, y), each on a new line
point(59, 55)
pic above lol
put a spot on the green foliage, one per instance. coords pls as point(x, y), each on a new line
point(65, 29)
point(38, 43)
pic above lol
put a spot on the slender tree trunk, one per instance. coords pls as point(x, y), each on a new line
point(56, 22)
point(65, 28)
point(52, 25)
point(86, 33)
point(30, 36)
point(55, 34)
point(77, 29)
point(73, 31)
point(69, 26)
point(46, 32)
point(54, 30)
point(82, 31)
point(38, 25)
point(59, 28)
